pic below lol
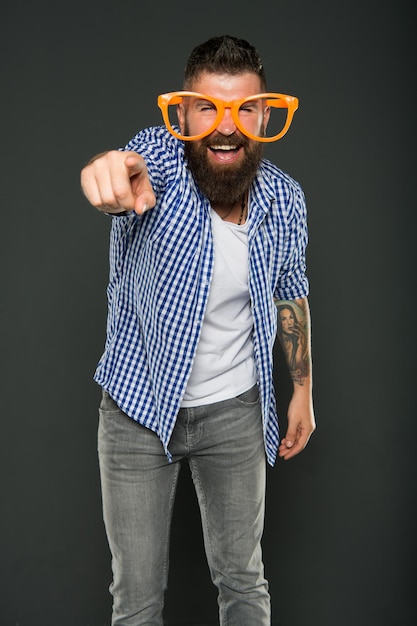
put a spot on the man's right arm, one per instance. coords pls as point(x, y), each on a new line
point(116, 181)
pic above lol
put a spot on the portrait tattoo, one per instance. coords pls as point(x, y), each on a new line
point(293, 333)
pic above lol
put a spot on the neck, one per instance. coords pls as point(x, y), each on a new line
point(235, 212)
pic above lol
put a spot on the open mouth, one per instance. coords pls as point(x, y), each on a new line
point(225, 153)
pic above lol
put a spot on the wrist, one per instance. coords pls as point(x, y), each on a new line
point(303, 386)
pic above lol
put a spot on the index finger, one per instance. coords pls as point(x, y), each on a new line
point(144, 196)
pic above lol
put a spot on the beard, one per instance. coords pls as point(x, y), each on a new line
point(223, 183)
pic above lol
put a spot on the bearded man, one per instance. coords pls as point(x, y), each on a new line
point(207, 238)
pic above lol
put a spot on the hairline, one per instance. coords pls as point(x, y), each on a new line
point(191, 80)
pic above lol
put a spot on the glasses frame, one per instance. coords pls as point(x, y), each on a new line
point(276, 100)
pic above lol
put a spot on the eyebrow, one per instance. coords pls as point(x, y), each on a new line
point(200, 99)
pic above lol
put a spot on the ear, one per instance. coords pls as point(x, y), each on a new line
point(267, 113)
point(181, 117)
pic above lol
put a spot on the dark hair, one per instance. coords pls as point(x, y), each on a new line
point(284, 307)
point(225, 55)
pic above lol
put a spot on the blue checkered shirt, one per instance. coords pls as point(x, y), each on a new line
point(161, 266)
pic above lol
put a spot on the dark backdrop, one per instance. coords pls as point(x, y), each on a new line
point(81, 78)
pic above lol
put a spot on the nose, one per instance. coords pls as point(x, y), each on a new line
point(227, 125)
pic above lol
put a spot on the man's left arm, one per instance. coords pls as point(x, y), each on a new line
point(294, 332)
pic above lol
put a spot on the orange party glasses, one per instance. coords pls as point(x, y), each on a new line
point(247, 113)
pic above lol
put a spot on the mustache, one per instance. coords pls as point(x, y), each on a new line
point(216, 139)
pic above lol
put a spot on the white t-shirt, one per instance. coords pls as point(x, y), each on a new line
point(224, 366)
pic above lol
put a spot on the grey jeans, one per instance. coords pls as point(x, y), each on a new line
point(223, 444)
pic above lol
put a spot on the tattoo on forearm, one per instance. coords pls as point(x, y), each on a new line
point(294, 336)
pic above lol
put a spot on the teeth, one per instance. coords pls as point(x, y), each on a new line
point(223, 147)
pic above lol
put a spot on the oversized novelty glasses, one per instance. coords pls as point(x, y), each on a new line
point(206, 113)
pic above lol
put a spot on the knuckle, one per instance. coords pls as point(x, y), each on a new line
point(121, 193)
point(108, 201)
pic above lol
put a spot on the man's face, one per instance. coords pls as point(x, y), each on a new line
point(225, 162)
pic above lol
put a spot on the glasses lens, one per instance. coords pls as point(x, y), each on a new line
point(171, 105)
point(253, 121)
point(201, 115)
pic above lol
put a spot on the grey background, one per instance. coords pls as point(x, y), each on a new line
point(340, 527)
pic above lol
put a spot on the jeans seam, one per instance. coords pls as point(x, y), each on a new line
point(168, 528)
point(209, 549)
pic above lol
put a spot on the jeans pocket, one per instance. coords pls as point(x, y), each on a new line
point(116, 430)
point(249, 397)
point(107, 403)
